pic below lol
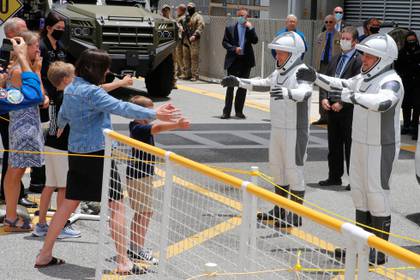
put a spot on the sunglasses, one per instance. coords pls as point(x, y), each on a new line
point(329, 21)
point(338, 12)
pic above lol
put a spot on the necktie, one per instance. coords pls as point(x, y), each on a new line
point(326, 57)
point(340, 65)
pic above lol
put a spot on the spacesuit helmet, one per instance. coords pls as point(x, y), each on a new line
point(381, 46)
point(289, 42)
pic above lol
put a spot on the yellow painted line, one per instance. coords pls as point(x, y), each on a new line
point(312, 239)
point(409, 148)
point(388, 272)
point(248, 103)
point(201, 237)
point(194, 187)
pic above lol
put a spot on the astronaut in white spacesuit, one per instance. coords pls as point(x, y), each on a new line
point(377, 94)
point(289, 110)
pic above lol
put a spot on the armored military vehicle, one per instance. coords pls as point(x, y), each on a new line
point(140, 42)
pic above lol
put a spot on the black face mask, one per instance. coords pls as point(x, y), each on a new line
point(57, 34)
point(191, 10)
point(412, 45)
point(374, 29)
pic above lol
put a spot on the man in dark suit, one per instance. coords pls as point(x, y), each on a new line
point(340, 115)
point(239, 60)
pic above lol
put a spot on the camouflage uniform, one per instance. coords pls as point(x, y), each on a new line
point(178, 53)
point(191, 50)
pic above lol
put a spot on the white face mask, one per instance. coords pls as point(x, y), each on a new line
point(345, 45)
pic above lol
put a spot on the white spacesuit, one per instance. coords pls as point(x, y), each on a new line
point(377, 94)
point(289, 110)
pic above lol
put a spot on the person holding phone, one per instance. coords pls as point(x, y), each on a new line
point(239, 60)
point(25, 134)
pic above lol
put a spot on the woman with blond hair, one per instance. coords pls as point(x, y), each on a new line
point(25, 138)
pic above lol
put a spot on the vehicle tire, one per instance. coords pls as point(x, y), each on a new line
point(160, 81)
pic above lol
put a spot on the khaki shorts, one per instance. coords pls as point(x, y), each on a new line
point(140, 193)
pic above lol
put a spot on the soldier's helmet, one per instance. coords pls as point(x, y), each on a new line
point(381, 46)
point(289, 42)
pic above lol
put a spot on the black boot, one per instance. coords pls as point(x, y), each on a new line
point(383, 224)
point(363, 218)
point(277, 212)
point(293, 220)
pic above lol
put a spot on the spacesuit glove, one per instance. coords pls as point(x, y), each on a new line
point(230, 81)
point(308, 75)
point(278, 93)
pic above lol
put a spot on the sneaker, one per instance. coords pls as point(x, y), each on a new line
point(143, 255)
point(69, 232)
point(40, 230)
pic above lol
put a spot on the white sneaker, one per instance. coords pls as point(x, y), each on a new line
point(40, 230)
point(69, 232)
point(143, 255)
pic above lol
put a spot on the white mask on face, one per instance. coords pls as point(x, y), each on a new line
point(345, 45)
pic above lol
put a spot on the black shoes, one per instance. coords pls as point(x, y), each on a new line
point(347, 188)
point(330, 182)
point(240, 116)
point(25, 202)
point(225, 117)
point(320, 122)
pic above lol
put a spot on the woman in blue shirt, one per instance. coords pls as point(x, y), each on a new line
point(86, 108)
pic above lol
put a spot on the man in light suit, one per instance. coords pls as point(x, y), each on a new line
point(239, 60)
point(340, 115)
point(327, 45)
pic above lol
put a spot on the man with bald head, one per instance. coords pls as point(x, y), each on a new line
point(339, 14)
point(291, 25)
point(326, 46)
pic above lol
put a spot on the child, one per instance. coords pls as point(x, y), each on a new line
point(140, 179)
point(60, 75)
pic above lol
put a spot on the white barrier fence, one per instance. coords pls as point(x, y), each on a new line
point(201, 223)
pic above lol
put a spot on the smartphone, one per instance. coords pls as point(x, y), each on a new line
point(5, 50)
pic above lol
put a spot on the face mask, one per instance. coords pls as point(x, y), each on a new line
point(57, 34)
point(412, 44)
point(191, 10)
point(241, 20)
point(374, 29)
point(338, 16)
point(345, 45)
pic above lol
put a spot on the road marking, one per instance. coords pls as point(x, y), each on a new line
point(409, 148)
point(248, 103)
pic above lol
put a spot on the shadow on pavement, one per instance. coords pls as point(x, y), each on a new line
point(69, 271)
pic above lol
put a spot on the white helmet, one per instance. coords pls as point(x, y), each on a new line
point(382, 46)
point(289, 42)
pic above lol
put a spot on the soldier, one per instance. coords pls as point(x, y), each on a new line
point(179, 58)
point(166, 12)
point(193, 26)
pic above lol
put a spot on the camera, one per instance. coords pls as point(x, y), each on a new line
point(5, 50)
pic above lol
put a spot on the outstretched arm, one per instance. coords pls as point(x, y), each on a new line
point(326, 82)
point(250, 84)
point(387, 97)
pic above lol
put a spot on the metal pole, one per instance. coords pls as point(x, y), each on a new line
point(363, 262)
point(104, 204)
point(253, 221)
point(164, 229)
point(262, 60)
point(244, 229)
